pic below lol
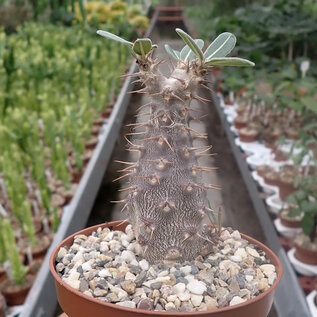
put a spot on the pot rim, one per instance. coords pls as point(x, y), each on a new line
point(269, 253)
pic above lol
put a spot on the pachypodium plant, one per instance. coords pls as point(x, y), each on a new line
point(167, 196)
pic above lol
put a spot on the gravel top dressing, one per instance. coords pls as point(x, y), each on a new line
point(108, 265)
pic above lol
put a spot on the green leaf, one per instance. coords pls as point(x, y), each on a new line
point(310, 103)
point(113, 37)
point(184, 52)
point(191, 43)
point(307, 224)
point(229, 61)
point(221, 46)
point(171, 52)
point(200, 44)
point(142, 46)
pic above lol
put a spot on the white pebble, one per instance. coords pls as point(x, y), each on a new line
point(127, 303)
point(73, 279)
point(236, 258)
point(267, 269)
point(236, 235)
point(171, 298)
point(190, 277)
point(248, 278)
point(144, 265)
point(196, 287)
point(127, 256)
point(130, 276)
point(237, 300)
point(184, 297)
point(253, 252)
point(87, 266)
point(196, 299)
point(61, 253)
point(179, 288)
point(241, 252)
point(104, 273)
point(186, 269)
point(170, 307)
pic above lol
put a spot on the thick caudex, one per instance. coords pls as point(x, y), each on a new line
point(166, 198)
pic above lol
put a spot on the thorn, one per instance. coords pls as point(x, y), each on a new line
point(118, 201)
point(168, 144)
point(127, 168)
point(127, 163)
point(200, 236)
point(208, 88)
point(139, 124)
point(131, 75)
point(127, 188)
point(179, 79)
point(204, 169)
point(134, 145)
point(138, 81)
point(135, 133)
point(155, 93)
point(212, 186)
point(209, 147)
point(178, 97)
point(145, 249)
point(201, 135)
point(122, 222)
point(143, 114)
point(209, 154)
point(203, 100)
point(152, 231)
point(146, 105)
point(122, 176)
point(140, 91)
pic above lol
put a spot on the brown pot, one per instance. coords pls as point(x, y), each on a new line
point(16, 294)
point(285, 189)
point(240, 123)
point(39, 249)
point(290, 222)
point(271, 178)
point(248, 137)
point(91, 144)
point(76, 304)
point(305, 255)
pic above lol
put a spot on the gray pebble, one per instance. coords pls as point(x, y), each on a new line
point(156, 285)
point(145, 303)
point(83, 286)
point(194, 270)
point(140, 278)
point(182, 280)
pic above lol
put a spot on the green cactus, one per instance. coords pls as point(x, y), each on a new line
point(18, 269)
point(166, 197)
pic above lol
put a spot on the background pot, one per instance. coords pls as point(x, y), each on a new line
point(305, 255)
point(76, 304)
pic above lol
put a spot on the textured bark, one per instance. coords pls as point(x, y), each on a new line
point(167, 199)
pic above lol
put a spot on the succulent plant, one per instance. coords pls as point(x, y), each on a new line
point(18, 271)
point(166, 195)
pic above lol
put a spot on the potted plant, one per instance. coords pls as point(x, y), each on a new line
point(16, 287)
point(168, 261)
point(306, 200)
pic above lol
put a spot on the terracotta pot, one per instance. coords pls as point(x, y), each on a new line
point(16, 294)
point(285, 189)
point(76, 304)
point(290, 222)
point(248, 137)
point(91, 144)
point(305, 255)
point(39, 249)
point(271, 178)
point(240, 123)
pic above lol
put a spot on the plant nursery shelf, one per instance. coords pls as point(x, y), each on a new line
point(289, 298)
point(41, 300)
